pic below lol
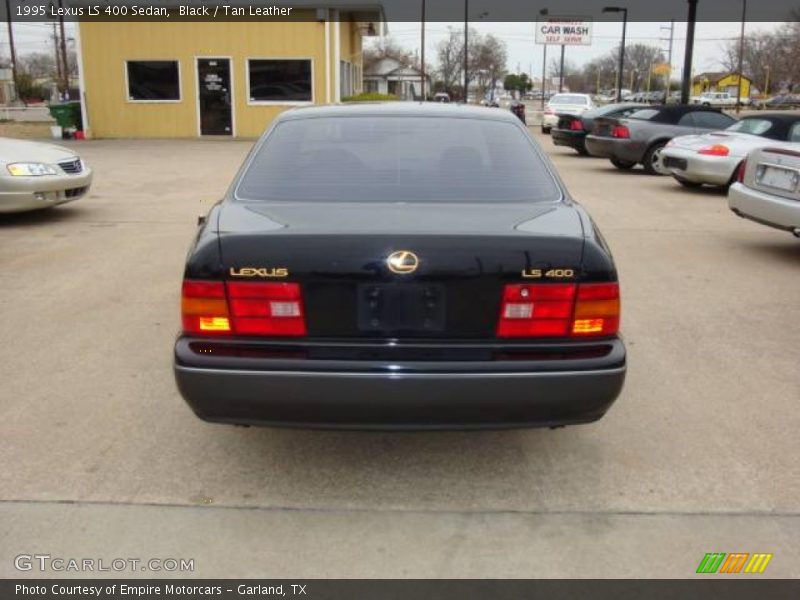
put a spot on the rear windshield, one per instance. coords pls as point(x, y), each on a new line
point(754, 126)
point(569, 99)
point(645, 114)
point(397, 159)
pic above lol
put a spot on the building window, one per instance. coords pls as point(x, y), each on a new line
point(279, 81)
point(153, 80)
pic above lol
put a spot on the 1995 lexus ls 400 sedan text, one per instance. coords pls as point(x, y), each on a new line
point(399, 266)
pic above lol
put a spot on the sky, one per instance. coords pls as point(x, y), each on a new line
point(526, 56)
point(523, 54)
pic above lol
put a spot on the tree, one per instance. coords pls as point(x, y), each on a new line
point(37, 64)
point(517, 83)
point(488, 58)
point(388, 48)
point(450, 54)
point(768, 56)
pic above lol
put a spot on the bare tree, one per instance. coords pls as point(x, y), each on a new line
point(488, 58)
point(388, 48)
point(450, 54)
point(37, 65)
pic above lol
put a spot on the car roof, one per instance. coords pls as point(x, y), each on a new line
point(399, 109)
point(788, 118)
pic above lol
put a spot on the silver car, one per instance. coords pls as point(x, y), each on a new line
point(713, 158)
point(768, 188)
point(34, 175)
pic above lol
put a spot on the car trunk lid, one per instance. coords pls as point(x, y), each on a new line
point(448, 285)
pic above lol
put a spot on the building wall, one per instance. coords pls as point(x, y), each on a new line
point(106, 47)
point(729, 83)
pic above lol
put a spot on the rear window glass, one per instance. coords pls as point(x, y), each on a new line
point(752, 126)
point(397, 159)
point(569, 99)
point(645, 114)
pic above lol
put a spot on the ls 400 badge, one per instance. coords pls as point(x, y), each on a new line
point(548, 274)
point(264, 272)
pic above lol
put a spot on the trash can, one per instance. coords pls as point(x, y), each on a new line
point(518, 108)
point(67, 115)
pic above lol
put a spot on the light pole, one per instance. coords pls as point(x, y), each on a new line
point(624, 11)
point(544, 12)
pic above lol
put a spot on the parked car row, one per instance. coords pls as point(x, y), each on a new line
point(757, 157)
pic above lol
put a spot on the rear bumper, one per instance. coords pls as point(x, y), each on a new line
point(572, 139)
point(351, 394)
point(765, 209)
point(621, 149)
point(699, 168)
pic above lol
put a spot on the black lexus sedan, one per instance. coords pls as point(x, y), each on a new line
point(640, 137)
point(571, 130)
point(399, 266)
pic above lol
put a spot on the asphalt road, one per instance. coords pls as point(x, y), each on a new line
point(102, 459)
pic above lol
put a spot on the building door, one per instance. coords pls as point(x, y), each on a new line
point(214, 96)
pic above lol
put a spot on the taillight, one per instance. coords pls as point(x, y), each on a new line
point(621, 132)
point(559, 310)
point(576, 125)
point(597, 310)
point(271, 309)
point(715, 150)
point(268, 309)
point(741, 171)
point(204, 310)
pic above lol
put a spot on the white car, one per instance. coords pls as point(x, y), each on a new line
point(768, 188)
point(718, 99)
point(713, 158)
point(564, 104)
point(34, 175)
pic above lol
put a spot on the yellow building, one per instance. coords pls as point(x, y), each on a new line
point(720, 82)
point(186, 79)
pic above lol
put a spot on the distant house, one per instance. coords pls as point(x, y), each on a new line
point(720, 82)
point(390, 76)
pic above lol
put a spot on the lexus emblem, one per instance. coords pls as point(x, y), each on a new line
point(402, 262)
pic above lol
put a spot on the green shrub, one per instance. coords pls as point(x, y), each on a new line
point(370, 97)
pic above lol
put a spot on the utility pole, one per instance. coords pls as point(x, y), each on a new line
point(466, 51)
point(12, 51)
point(741, 59)
point(422, 45)
point(64, 62)
point(561, 71)
point(669, 55)
point(59, 71)
point(686, 85)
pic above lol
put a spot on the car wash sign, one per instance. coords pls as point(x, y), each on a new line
point(564, 31)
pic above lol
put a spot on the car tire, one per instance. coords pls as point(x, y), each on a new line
point(582, 150)
point(545, 130)
point(623, 165)
point(686, 183)
point(652, 159)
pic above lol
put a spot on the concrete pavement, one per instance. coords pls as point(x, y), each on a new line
point(101, 455)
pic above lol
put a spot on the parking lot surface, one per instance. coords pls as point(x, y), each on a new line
point(101, 457)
